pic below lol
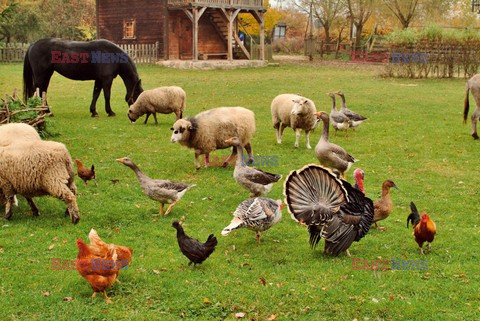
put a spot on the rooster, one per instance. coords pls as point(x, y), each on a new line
point(84, 173)
point(195, 251)
point(424, 229)
point(330, 207)
point(100, 277)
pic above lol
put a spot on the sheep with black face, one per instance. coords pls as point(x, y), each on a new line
point(210, 129)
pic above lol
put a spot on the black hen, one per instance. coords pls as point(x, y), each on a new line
point(195, 251)
point(330, 207)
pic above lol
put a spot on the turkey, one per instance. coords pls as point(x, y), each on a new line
point(330, 207)
point(256, 214)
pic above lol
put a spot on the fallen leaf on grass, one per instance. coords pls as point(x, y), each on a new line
point(51, 247)
point(272, 317)
point(156, 271)
point(163, 269)
point(264, 282)
point(46, 293)
point(67, 299)
point(207, 301)
point(55, 238)
point(239, 315)
point(392, 298)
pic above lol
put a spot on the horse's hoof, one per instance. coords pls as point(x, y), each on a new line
point(112, 114)
point(475, 136)
point(95, 115)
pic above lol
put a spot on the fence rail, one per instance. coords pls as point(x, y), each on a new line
point(140, 53)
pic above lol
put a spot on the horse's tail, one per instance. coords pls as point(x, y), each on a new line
point(28, 86)
point(467, 104)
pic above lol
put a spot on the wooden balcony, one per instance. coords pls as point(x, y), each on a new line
point(225, 4)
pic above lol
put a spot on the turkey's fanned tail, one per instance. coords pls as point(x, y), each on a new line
point(313, 194)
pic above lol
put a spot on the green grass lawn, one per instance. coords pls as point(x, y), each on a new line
point(414, 136)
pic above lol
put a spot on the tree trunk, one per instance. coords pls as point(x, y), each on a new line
point(327, 34)
point(358, 40)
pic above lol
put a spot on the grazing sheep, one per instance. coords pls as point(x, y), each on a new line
point(35, 169)
point(163, 100)
point(289, 110)
point(210, 129)
point(12, 133)
point(17, 132)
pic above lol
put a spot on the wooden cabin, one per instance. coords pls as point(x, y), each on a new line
point(184, 29)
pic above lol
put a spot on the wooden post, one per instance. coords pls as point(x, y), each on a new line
point(230, 29)
point(195, 34)
point(262, 36)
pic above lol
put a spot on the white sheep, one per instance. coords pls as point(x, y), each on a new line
point(16, 132)
point(37, 168)
point(297, 112)
point(209, 130)
point(163, 100)
point(13, 132)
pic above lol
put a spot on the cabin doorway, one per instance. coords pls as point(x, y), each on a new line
point(179, 36)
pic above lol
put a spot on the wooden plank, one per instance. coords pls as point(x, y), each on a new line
point(229, 35)
point(240, 44)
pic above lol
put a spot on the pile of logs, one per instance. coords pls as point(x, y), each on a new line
point(12, 109)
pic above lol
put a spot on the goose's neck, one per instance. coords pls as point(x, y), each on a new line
point(325, 130)
point(344, 106)
point(137, 171)
point(239, 162)
point(334, 105)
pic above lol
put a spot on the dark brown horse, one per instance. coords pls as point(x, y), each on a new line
point(98, 60)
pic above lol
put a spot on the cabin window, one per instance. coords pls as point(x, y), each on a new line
point(129, 26)
point(280, 30)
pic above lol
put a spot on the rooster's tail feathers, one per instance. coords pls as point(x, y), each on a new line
point(413, 218)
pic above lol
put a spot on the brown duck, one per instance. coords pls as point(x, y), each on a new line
point(384, 206)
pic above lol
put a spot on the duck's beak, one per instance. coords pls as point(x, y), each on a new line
point(228, 141)
point(395, 186)
point(120, 160)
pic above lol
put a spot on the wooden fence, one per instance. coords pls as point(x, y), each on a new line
point(255, 52)
point(13, 52)
point(140, 53)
